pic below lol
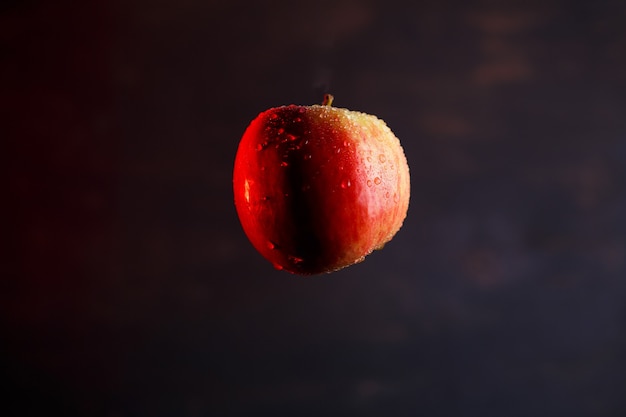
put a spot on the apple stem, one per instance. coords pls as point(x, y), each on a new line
point(328, 100)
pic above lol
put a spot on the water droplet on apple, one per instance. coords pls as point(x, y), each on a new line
point(259, 147)
point(376, 180)
point(295, 260)
point(278, 266)
point(345, 183)
point(271, 245)
point(308, 156)
point(273, 116)
point(338, 150)
point(291, 137)
point(284, 164)
point(297, 119)
point(382, 158)
point(281, 131)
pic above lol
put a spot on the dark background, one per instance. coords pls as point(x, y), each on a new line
point(129, 289)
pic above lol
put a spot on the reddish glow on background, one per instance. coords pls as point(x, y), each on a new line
point(60, 160)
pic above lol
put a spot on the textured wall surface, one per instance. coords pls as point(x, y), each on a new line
point(129, 288)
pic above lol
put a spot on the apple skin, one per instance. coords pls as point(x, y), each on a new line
point(317, 188)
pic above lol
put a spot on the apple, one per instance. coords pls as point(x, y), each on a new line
point(317, 188)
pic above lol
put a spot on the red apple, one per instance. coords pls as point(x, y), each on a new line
point(317, 188)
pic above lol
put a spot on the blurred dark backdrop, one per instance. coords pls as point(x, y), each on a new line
point(129, 288)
